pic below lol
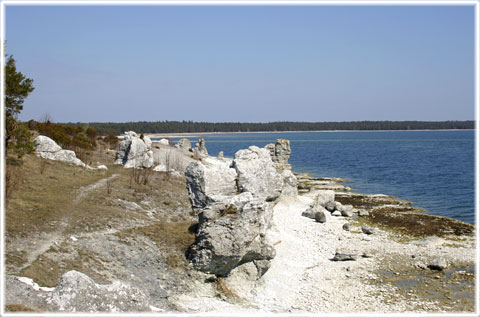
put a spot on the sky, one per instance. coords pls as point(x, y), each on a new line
point(244, 63)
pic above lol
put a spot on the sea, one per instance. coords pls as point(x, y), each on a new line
point(433, 169)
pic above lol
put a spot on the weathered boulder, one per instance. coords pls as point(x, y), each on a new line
point(184, 144)
point(256, 173)
point(200, 150)
point(48, 149)
point(347, 210)
point(134, 152)
point(313, 210)
point(324, 198)
point(331, 206)
point(439, 264)
point(76, 292)
point(320, 216)
point(235, 236)
point(210, 181)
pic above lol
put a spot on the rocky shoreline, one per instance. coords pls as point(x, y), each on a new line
point(269, 240)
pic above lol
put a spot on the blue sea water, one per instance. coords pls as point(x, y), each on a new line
point(433, 169)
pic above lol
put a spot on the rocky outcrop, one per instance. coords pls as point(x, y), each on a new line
point(232, 199)
point(48, 149)
point(280, 154)
point(184, 144)
point(209, 182)
point(235, 235)
point(134, 151)
point(325, 202)
point(200, 150)
point(257, 174)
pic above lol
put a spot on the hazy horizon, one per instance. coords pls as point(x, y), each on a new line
point(245, 63)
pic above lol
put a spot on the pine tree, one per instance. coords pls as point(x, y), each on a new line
point(17, 88)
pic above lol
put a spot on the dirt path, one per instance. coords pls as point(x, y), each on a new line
point(44, 241)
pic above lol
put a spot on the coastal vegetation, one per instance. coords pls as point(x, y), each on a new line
point(105, 128)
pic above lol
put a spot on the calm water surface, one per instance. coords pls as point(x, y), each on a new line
point(434, 169)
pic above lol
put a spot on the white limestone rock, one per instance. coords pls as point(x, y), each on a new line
point(210, 181)
point(48, 149)
point(134, 152)
point(257, 174)
point(184, 144)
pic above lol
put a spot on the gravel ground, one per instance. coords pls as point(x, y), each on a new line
point(303, 278)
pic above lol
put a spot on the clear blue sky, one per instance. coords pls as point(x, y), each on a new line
point(245, 63)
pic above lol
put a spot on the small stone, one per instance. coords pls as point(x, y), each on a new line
point(330, 206)
point(320, 217)
point(439, 264)
point(363, 212)
point(336, 213)
point(347, 210)
point(346, 226)
point(367, 230)
point(309, 213)
point(344, 256)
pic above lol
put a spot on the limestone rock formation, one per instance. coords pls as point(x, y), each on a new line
point(210, 181)
point(134, 152)
point(231, 199)
point(48, 149)
point(200, 150)
point(257, 174)
point(280, 154)
point(184, 144)
point(235, 236)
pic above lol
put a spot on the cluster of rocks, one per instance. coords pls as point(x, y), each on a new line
point(134, 151)
point(325, 206)
point(232, 199)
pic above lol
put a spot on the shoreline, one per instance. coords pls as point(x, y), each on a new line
point(195, 134)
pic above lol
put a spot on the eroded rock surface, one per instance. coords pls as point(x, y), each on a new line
point(232, 199)
point(134, 151)
point(48, 149)
point(257, 174)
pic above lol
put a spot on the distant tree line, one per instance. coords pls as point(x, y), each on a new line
point(105, 128)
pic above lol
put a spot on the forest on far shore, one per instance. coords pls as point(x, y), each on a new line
point(104, 128)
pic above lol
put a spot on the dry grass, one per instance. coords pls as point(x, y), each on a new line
point(45, 204)
point(17, 308)
point(46, 271)
point(44, 197)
